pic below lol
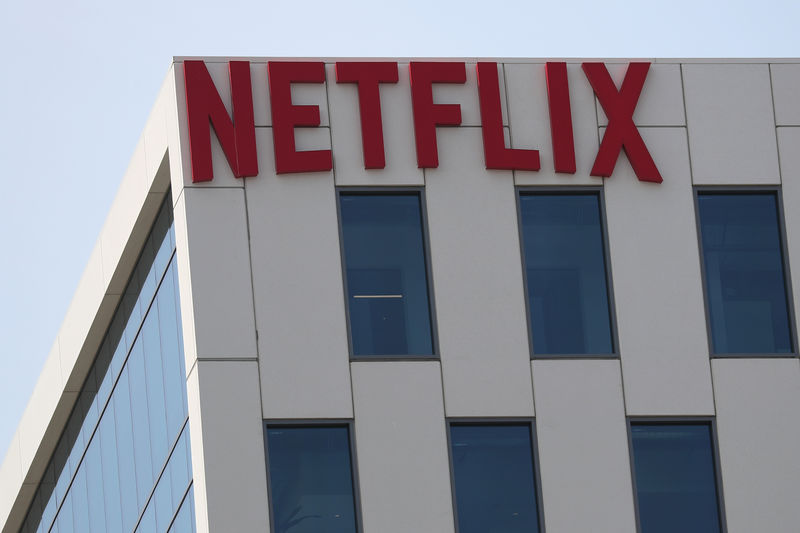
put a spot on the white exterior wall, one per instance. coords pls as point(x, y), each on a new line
point(264, 309)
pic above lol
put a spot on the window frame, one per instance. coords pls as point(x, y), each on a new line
point(530, 422)
point(733, 190)
point(268, 423)
point(389, 191)
point(597, 191)
point(709, 421)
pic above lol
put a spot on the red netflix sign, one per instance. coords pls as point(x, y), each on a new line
point(236, 133)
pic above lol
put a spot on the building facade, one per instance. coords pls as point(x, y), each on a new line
point(400, 295)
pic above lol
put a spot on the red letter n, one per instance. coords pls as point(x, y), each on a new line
point(203, 105)
point(621, 131)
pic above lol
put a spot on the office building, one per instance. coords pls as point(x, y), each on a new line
point(430, 296)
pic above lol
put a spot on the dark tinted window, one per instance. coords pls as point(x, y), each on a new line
point(745, 281)
point(387, 284)
point(675, 478)
point(565, 266)
point(311, 480)
point(493, 478)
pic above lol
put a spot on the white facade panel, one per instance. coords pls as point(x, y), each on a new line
point(785, 81)
point(155, 135)
point(731, 124)
point(401, 447)
point(308, 139)
point(11, 477)
point(398, 134)
point(480, 306)
point(529, 121)
point(80, 336)
point(299, 299)
point(758, 427)
point(218, 278)
point(788, 143)
point(661, 100)
point(583, 446)
point(227, 437)
point(36, 418)
point(656, 269)
point(130, 197)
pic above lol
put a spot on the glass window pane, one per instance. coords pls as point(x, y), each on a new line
point(745, 284)
point(387, 285)
point(184, 519)
point(148, 523)
point(566, 273)
point(159, 441)
point(125, 453)
point(145, 470)
point(94, 484)
point(179, 473)
point(64, 520)
point(675, 478)
point(493, 478)
point(110, 465)
point(103, 468)
point(311, 480)
point(80, 502)
point(162, 500)
point(171, 356)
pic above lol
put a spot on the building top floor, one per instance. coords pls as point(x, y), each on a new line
point(255, 177)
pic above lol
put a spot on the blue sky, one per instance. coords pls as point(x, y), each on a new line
point(79, 79)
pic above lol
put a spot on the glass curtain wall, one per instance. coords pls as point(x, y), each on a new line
point(123, 460)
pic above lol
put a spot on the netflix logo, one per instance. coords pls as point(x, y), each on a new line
point(236, 133)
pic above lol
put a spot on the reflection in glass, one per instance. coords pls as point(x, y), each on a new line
point(311, 481)
point(131, 408)
point(565, 265)
point(493, 478)
point(387, 285)
point(676, 484)
point(745, 283)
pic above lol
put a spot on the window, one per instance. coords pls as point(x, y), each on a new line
point(565, 270)
point(124, 454)
point(386, 277)
point(745, 283)
point(493, 478)
point(311, 479)
point(675, 477)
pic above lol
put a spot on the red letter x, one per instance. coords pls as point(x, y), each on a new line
point(621, 132)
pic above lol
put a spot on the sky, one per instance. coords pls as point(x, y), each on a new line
point(80, 77)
